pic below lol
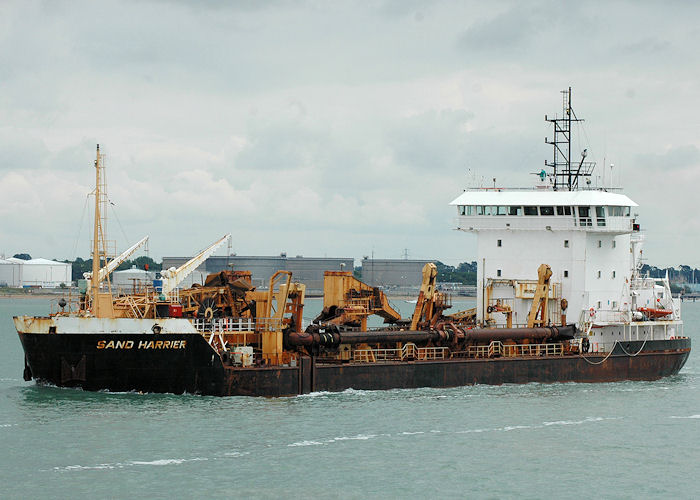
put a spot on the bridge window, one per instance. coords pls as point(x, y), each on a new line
point(480, 210)
point(530, 210)
point(584, 215)
point(501, 210)
point(563, 210)
point(619, 211)
point(546, 210)
point(515, 210)
point(462, 210)
point(600, 215)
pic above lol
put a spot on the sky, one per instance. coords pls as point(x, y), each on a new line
point(339, 129)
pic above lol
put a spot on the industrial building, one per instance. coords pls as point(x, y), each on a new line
point(42, 273)
point(393, 273)
point(307, 270)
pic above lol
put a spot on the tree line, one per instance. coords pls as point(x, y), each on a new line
point(464, 273)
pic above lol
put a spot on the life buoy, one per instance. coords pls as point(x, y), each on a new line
point(591, 312)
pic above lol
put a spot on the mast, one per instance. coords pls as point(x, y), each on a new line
point(565, 176)
point(95, 280)
point(101, 302)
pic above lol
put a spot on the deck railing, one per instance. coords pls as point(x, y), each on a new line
point(237, 324)
point(498, 349)
point(408, 352)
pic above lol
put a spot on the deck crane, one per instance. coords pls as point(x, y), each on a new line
point(431, 303)
point(114, 263)
point(540, 301)
point(173, 277)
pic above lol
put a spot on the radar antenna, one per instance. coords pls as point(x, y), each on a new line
point(565, 176)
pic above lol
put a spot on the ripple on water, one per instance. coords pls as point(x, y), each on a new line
point(132, 463)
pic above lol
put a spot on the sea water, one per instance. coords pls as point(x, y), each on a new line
point(614, 440)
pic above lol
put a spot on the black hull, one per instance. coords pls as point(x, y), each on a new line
point(73, 360)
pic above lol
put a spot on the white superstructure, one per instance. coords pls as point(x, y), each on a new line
point(589, 238)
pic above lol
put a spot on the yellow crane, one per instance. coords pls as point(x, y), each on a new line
point(431, 303)
point(539, 311)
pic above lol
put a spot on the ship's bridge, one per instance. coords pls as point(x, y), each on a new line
point(537, 210)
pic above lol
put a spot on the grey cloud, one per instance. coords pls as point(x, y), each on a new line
point(512, 30)
point(676, 158)
point(369, 115)
point(646, 47)
point(432, 141)
point(404, 8)
point(439, 143)
point(282, 145)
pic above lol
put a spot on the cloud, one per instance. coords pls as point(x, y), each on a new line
point(330, 128)
point(512, 30)
point(676, 158)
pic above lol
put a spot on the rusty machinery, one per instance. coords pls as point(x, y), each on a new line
point(223, 294)
point(430, 303)
point(428, 325)
point(279, 311)
point(348, 301)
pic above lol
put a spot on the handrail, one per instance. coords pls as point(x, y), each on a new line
point(236, 324)
point(408, 352)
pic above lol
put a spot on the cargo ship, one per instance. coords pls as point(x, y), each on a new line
point(560, 298)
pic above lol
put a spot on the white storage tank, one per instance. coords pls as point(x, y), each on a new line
point(46, 273)
point(131, 280)
point(10, 273)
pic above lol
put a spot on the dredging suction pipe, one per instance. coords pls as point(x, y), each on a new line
point(540, 333)
point(332, 336)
